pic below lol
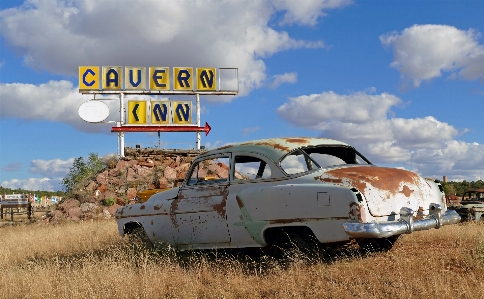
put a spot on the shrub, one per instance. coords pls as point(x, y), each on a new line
point(109, 201)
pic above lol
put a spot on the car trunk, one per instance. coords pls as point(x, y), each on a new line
point(386, 189)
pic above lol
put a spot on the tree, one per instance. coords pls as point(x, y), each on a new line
point(81, 171)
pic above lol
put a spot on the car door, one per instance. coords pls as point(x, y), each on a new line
point(199, 210)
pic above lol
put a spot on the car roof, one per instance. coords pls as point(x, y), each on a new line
point(274, 148)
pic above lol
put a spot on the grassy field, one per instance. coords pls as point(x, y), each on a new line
point(90, 260)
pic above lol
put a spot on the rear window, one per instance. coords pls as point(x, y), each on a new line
point(311, 158)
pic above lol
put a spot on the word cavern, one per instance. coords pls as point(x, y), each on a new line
point(137, 78)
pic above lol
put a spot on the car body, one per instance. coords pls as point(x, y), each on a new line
point(257, 194)
point(471, 207)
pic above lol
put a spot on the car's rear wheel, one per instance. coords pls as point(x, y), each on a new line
point(378, 245)
point(293, 245)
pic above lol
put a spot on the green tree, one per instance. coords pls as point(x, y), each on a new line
point(82, 170)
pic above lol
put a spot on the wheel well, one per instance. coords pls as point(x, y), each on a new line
point(130, 227)
point(273, 233)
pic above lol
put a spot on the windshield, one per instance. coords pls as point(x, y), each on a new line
point(310, 158)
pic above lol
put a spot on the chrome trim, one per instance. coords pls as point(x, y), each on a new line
point(405, 225)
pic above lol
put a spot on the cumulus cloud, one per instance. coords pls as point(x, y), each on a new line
point(365, 121)
point(56, 101)
point(43, 184)
point(51, 168)
point(306, 12)
point(284, 78)
point(60, 35)
point(425, 52)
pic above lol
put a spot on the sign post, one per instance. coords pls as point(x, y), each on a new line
point(208, 81)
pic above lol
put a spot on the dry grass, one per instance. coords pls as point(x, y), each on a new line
point(89, 260)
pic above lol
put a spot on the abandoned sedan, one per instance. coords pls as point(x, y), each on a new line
point(471, 207)
point(275, 193)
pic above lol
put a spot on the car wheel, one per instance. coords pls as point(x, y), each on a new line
point(378, 245)
point(293, 246)
point(138, 236)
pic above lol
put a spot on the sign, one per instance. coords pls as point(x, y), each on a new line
point(135, 78)
point(170, 128)
point(182, 78)
point(206, 79)
point(112, 78)
point(182, 113)
point(94, 111)
point(158, 78)
point(15, 199)
point(137, 112)
point(89, 77)
point(160, 112)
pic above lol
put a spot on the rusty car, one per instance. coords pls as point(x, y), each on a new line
point(471, 206)
point(288, 192)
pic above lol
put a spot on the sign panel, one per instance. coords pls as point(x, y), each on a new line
point(206, 79)
point(183, 78)
point(89, 77)
point(182, 112)
point(15, 199)
point(159, 78)
point(112, 78)
point(160, 112)
point(137, 112)
point(135, 78)
point(94, 111)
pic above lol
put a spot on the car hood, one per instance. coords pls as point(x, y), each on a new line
point(386, 190)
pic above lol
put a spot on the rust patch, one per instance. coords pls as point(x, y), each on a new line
point(274, 145)
point(388, 179)
point(220, 207)
point(173, 208)
point(297, 140)
point(406, 191)
point(330, 180)
point(239, 201)
point(157, 207)
point(142, 207)
point(356, 212)
point(225, 147)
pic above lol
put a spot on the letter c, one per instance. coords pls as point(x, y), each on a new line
point(88, 71)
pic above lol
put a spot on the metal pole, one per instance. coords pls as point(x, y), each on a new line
point(121, 122)
point(198, 121)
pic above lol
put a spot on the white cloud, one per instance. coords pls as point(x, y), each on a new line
point(284, 78)
point(247, 131)
point(56, 101)
point(60, 35)
point(51, 168)
point(306, 12)
point(41, 184)
point(424, 52)
point(364, 120)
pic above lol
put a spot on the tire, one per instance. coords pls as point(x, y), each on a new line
point(293, 246)
point(378, 245)
point(138, 235)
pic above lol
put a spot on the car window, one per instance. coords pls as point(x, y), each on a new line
point(297, 162)
point(210, 171)
point(314, 157)
point(251, 168)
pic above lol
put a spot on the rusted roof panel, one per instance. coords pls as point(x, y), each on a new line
point(275, 148)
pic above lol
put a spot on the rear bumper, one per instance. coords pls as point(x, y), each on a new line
point(405, 225)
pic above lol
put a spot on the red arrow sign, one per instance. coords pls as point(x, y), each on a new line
point(205, 129)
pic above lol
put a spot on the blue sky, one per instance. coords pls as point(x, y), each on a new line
point(402, 81)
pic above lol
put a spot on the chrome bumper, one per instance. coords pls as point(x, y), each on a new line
point(405, 225)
